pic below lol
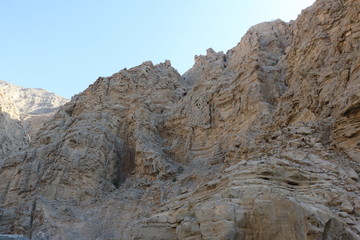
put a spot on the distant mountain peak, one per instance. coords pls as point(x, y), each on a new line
point(23, 112)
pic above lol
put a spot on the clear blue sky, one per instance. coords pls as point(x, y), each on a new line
point(65, 45)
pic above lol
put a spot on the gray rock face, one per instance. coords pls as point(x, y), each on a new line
point(259, 143)
point(12, 237)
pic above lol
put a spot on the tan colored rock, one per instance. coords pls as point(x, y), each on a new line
point(31, 106)
point(13, 135)
point(23, 111)
point(347, 207)
point(258, 143)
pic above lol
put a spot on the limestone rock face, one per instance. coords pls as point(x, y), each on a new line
point(259, 143)
point(22, 113)
point(12, 133)
point(31, 106)
point(324, 65)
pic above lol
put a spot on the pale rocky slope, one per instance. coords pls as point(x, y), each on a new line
point(259, 143)
point(12, 133)
point(32, 106)
point(23, 111)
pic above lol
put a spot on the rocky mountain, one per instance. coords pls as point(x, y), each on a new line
point(262, 142)
point(12, 133)
point(31, 104)
point(23, 111)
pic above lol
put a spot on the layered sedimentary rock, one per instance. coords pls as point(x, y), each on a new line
point(259, 143)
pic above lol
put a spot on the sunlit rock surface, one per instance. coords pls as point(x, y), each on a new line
point(261, 142)
point(22, 113)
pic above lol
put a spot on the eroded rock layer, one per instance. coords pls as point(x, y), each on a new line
point(259, 143)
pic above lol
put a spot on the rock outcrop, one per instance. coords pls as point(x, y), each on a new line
point(12, 133)
point(22, 113)
point(32, 106)
point(259, 143)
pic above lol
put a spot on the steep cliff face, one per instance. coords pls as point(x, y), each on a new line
point(12, 133)
point(323, 72)
point(259, 143)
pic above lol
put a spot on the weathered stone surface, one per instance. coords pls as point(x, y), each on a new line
point(259, 143)
point(12, 237)
point(31, 106)
point(12, 133)
point(22, 113)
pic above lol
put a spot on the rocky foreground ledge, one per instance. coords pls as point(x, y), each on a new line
point(262, 142)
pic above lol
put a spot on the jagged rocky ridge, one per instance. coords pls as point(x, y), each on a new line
point(259, 143)
point(22, 113)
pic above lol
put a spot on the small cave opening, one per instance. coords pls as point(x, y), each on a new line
point(292, 183)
